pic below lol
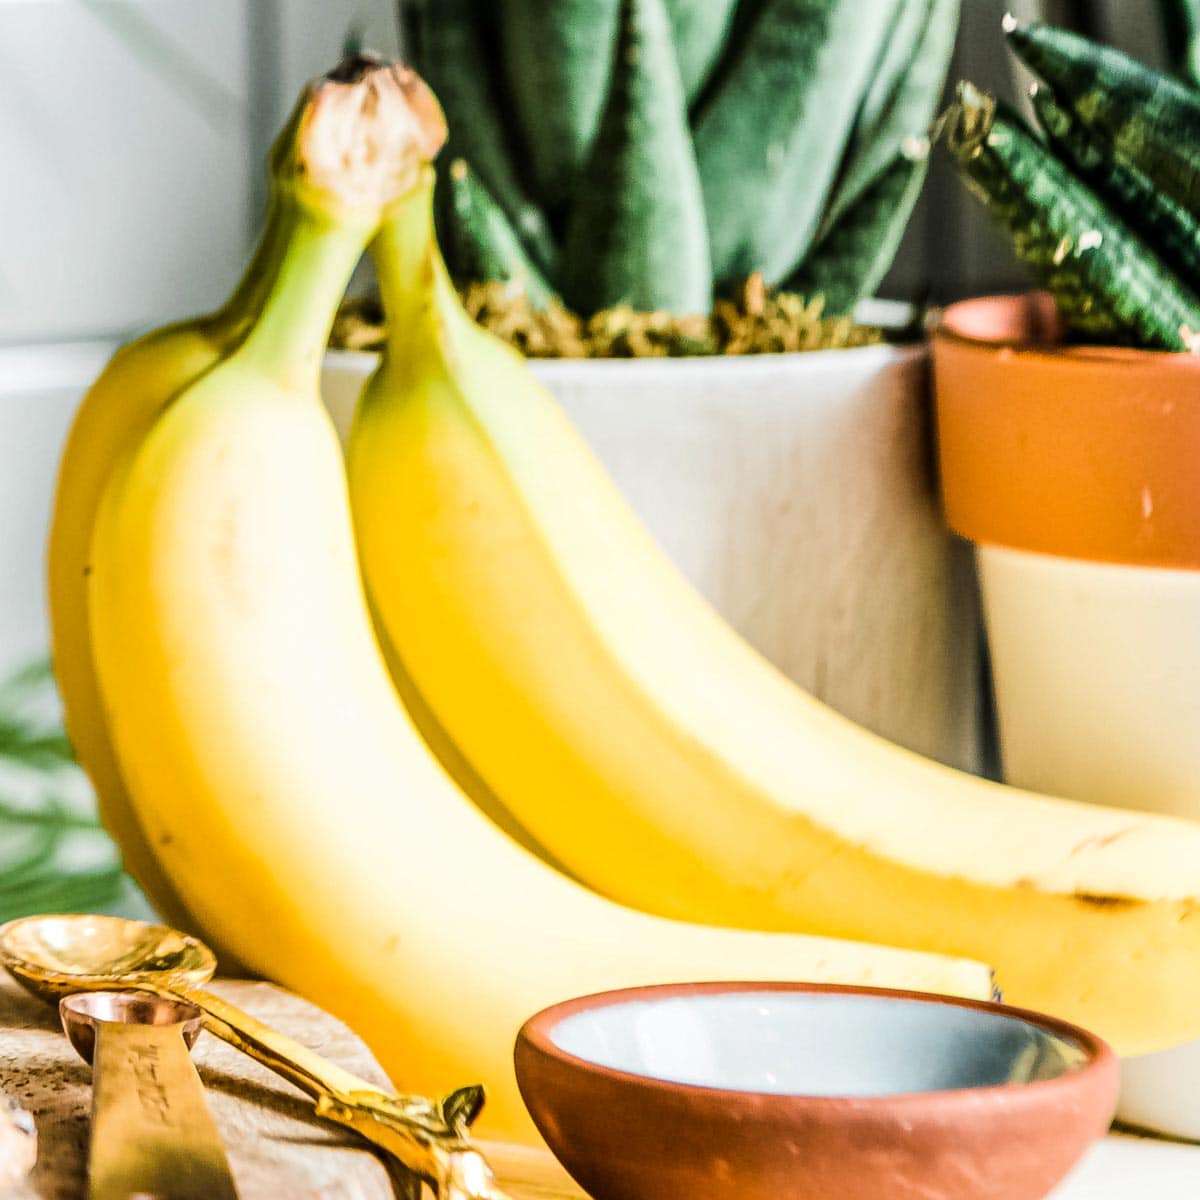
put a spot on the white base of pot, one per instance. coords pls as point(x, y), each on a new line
point(1097, 679)
point(796, 493)
point(1161, 1092)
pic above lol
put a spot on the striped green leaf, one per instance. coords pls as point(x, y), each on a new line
point(478, 239)
point(1106, 280)
point(770, 137)
point(557, 58)
point(1168, 227)
point(1152, 120)
point(451, 54)
point(854, 254)
point(636, 233)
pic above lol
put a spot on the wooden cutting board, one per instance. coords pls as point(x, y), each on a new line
point(277, 1149)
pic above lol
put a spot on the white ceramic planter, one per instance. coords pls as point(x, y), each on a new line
point(39, 390)
point(795, 491)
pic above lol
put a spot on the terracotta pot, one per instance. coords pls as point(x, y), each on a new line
point(1081, 452)
point(1075, 471)
point(804, 1092)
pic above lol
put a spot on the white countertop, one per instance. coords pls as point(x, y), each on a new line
point(1131, 1168)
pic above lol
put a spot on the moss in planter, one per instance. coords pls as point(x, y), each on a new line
point(755, 320)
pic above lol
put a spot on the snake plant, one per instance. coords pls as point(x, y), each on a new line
point(651, 153)
point(1104, 206)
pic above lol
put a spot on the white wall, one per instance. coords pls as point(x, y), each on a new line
point(132, 136)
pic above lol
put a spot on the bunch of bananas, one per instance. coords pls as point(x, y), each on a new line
point(524, 761)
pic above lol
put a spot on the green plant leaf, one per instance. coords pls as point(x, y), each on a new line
point(854, 254)
point(449, 50)
point(53, 854)
point(636, 234)
point(771, 135)
point(32, 747)
point(82, 873)
point(901, 101)
point(1181, 36)
point(557, 60)
point(1151, 119)
point(1106, 281)
point(30, 733)
point(26, 842)
point(1164, 223)
point(699, 29)
point(28, 698)
point(478, 239)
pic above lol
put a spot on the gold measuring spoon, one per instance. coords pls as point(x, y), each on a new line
point(152, 1133)
point(53, 956)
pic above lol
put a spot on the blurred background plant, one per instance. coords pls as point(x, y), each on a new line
point(54, 857)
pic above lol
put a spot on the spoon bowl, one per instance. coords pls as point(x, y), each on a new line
point(82, 1012)
point(55, 956)
point(152, 1131)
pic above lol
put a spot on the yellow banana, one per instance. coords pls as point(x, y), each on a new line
point(114, 416)
point(632, 733)
point(285, 790)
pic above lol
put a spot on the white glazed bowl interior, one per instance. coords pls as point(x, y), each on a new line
point(809, 1044)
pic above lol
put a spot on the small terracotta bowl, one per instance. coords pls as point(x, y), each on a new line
point(757, 1091)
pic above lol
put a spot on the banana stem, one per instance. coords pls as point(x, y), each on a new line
point(302, 293)
point(359, 139)
point(406, 256)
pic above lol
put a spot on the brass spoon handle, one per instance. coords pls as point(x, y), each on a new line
point(152, 1133)
point(297, 1063)
point(424, 1135)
